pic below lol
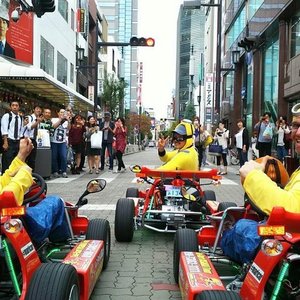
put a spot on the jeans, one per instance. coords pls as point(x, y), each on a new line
point(281, 152)
point(107, 145)
point(59, 157)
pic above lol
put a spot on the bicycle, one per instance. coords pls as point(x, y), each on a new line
point(233, 156)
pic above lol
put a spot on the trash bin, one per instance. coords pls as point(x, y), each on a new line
point(43, 162)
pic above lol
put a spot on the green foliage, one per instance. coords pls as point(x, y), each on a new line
point(190, 112)
point(113, 95)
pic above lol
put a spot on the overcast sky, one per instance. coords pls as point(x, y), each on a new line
point(158, 19)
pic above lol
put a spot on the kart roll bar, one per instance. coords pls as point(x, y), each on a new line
point(184, 174)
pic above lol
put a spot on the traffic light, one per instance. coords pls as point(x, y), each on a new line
point(142, 42)
point(43, 6)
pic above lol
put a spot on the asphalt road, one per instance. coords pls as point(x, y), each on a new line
point(142, 269)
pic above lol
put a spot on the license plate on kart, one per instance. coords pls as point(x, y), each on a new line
point(173, 191)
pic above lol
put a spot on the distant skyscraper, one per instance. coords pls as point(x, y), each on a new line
point(122, 25)
point(190, 35)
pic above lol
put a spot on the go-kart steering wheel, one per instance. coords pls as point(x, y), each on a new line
point(39, 184)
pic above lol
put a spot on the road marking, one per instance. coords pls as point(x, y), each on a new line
point(98, 207)
point(228, 182)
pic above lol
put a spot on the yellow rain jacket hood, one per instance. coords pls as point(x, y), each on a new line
point(185, 158)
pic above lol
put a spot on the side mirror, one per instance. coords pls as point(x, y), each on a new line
point(136, 169)
point(95, 185)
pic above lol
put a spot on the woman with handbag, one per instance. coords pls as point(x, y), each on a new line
point(93, 154)
point(222, 138)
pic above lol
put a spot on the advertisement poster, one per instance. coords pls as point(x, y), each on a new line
point(16, 37)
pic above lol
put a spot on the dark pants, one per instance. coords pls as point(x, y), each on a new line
point(119, 156)
point(107, 145)
point(200, 155)
point(224, 158)
point(59, 157)
point(32, 156)
point(243, 156)
point(9, 155)
point(264, 149)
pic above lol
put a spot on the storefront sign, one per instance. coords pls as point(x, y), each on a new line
point(80, 16)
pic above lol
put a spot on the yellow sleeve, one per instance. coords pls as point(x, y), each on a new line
point(16, 179)
point(168, 155)
point(265, 194)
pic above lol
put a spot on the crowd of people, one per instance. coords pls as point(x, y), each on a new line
point(68, 135)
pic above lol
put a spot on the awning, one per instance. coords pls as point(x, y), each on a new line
point(35, 81)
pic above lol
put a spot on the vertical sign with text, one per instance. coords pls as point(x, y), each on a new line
point(209, 87)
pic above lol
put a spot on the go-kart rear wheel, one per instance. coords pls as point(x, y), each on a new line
point(99, 229)
point(185, 240)
point(223, 205)
point(213, 295)
point(54, 281)
point(124, 225)
point(132, 193)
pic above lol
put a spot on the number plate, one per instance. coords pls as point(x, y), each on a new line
point(173, 192)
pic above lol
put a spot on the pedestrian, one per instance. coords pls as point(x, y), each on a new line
point(120, 133)
point(61, 124)
point(31, 130)
point(281, 130)
point(242, 142)
point(83, 153)
point(11, 130)
point(76, 141)
point(107, 126)
point(222, 138)
point(184, 156)
point(265, 131)
point(93, 154)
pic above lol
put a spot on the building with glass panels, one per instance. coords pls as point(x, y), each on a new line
point(122, 25)
point(267, 75)
point(190, 43)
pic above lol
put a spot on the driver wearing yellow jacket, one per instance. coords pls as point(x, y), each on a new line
point(184, 156)
point(262, 191)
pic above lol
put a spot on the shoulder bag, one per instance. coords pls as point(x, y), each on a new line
point(96, 140)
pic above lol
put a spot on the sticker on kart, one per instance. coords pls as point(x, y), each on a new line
point(256, 272)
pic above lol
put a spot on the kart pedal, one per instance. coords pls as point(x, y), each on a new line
point(197, 274)
point(87, 258)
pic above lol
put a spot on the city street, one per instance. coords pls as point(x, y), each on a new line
point(143, 268)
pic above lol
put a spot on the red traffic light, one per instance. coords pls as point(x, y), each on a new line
point(142, 42)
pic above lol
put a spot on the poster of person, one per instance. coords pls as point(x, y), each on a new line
point(16, 38)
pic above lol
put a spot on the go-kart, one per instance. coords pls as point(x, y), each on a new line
point(52, 270)
point(174, 200)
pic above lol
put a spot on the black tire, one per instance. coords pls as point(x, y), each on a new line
point(124, 225)
point(218, 295)
point(99, 229)
point(185, 240)
point(132, 193)
point(223, 205)
point(54, 281)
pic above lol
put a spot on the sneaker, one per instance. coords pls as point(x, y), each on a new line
point(123, 170)
point(90, 171)
point(97, 172)
point(110, 170)
point(55, 175)
point(237, 173)
point(64, 175)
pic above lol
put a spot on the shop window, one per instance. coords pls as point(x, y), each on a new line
point(62, 73)
point(47, 57)
point(63, 8)
point(295, 35)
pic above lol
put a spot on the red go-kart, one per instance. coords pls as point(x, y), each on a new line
point(66, 270)
point(174, 200)
point(204, 273)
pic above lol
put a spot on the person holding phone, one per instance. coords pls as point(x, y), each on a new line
point(120, 133)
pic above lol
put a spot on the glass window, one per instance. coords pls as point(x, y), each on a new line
point(253, 6)
point(270, 79)
point(72, 19)
point(295, 34)
point(71, 72)
point(63, 8)
point(47, 57)
point(62, 72)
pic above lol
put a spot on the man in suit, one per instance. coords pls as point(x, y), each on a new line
point(5, 48)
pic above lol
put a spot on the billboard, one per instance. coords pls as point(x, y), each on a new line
point(16, 37)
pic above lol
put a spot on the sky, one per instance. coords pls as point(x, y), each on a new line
point(158, 19)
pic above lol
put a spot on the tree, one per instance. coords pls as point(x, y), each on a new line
point(190, 112)
point(113, 95)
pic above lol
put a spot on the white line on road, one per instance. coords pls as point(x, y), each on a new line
point(98, 207)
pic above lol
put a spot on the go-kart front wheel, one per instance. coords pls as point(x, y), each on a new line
point(99, 229)
point(132, 193)
point(54, 281)
point(124, 225)
point(185, 240)
point(213, 295)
